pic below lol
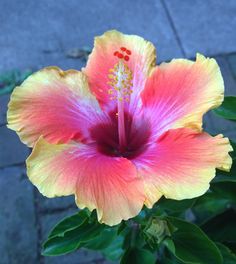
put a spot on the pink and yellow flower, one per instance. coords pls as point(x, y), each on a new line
point(123, 132)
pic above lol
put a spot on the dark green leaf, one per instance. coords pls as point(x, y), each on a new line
point(208, 206)
point(114, 251)
point(133, 237)
point(225, 190)
point(191, 245)
point(173, 206)
point(222, 228)
point(228, 108)
point(228, 256)
point(72, 239)
point(69, 223)
point(122, 226)
point(103, 240)
point(138, 256)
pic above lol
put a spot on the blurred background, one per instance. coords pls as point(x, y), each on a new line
point(34, 34)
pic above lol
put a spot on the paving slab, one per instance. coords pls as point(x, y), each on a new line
point(57, 203)
point(81, 256)
point(231, 58)
point(4, 99)
point(12, 151)
point(39, 33)
point(212, 123)
point(18, 243)
point(204, 26)
point(229, 81)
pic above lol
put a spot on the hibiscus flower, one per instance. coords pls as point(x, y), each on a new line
point(123, 132)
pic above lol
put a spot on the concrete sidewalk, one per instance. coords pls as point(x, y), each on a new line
point(40, 33)
point(34, 34)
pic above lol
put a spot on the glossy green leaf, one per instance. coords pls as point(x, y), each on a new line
point(228, 256)
point(220, 198)
point(114, 251)
point(103, 240)
point(228, 108)
point(191, 244)
point(138, 256)
point(174, 206)
point(72, 239)
point(69, 223)
point(208, 206)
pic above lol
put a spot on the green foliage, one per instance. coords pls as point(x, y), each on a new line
point(9, 80)
point(72, 238)
point(83, 230)
point(188, 241)
point(228, 108)
point(228, 256)
point(222, 227)
point(138, 256)
point(193, 231)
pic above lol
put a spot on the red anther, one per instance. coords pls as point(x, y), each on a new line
point(120, 55)
point(115, 53)
point(128, 52)
point(126, 58)
point(123, 48)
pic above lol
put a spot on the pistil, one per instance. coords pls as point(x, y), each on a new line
point(120, 107)
point(120, 81)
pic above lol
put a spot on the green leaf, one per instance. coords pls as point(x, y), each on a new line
point(173, 206)
point(169, 257)
point(103, 240)
point(225, 190)
point(228, 256)
point(228, 108)
point(138, 256)
point(68, 224)
point(208, 206)
point(114, 251)
point(122, 226)
point(220, 198)
point(222, 228)
point(191, 244)
point(72, 240)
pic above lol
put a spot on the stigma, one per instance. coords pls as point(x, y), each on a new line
point(120, 78)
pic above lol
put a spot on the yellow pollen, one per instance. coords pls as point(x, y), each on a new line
point(120, 80)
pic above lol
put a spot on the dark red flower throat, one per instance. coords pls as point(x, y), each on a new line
point(106, 136)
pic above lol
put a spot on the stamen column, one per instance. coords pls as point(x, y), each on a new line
point(120, 80)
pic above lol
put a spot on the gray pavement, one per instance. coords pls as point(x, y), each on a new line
point(34, 34)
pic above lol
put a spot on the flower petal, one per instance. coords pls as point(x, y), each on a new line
point(52, 103)
point(102, 59)
point(108, 184)
point(182, 163)
point(178, 93)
